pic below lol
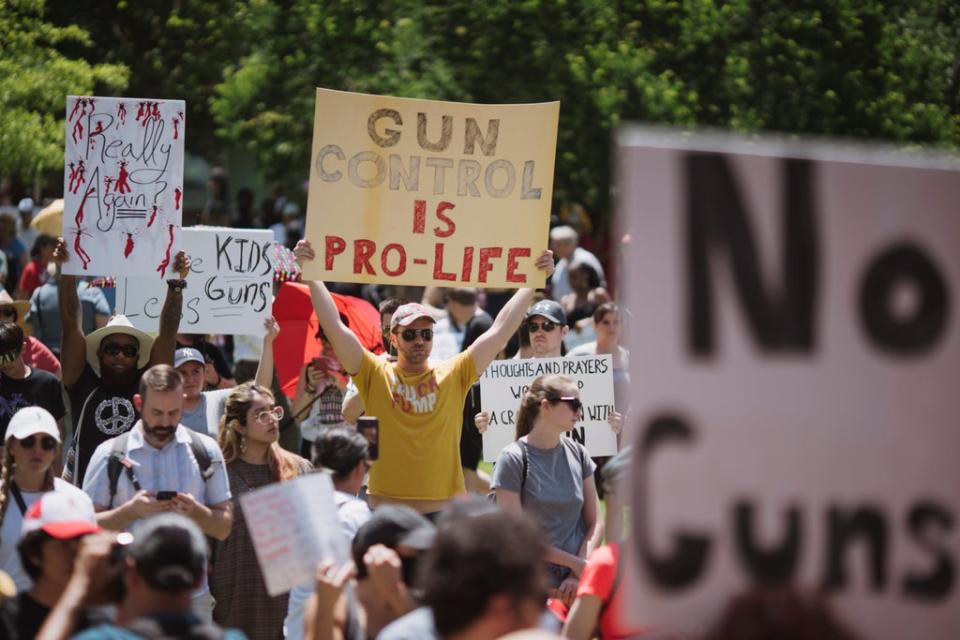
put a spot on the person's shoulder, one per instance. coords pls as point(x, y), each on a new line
point(574, 447)
point(511, 452)
point(105, 632)
point(416, 625)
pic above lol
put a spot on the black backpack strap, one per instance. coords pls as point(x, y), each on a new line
point(526, 463)
point(15, 490)
point(116, 464)
point(201, 454)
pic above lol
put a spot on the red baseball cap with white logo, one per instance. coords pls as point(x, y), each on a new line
point(61, 515)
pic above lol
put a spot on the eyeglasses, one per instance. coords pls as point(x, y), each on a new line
point(547, 326)
point(410, 335)
point(574, 403)
point(8, 312)
point(128, 350)
point(264, 416)
point(46, 443)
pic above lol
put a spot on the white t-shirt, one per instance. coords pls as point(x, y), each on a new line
point(13, 522)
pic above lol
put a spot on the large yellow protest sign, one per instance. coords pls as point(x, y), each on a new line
point(425, 192)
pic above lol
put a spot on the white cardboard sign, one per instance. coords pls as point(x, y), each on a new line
point(796, 355)
point(229, 287)
point(504, 382)
point(123, 185)
point(294, 527)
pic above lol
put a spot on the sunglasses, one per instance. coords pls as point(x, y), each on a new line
point(409, 335)
point(547, 326)
point(8, 312)
point(46, 443)
point(574, 403)
point(264, 416)
point(128, 350)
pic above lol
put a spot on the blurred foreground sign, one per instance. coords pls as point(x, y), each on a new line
point(796, 352)
point(423, 192)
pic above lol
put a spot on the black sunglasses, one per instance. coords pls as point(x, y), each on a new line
point(547, 326)
point(574, 403)
point(128, 350)
point(411, 334)
point(8, 312)
point(46, 443)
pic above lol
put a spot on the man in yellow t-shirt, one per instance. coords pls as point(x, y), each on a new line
point(419, 405)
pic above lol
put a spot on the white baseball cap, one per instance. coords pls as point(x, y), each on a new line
point(29, 421)
point(61, 515)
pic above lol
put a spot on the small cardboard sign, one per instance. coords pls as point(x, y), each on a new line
point(123, 185)
point(504, 382)
point(294, 527)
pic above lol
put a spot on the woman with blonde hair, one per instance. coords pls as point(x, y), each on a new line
point(248, 437)
point(31, 447)
point(550, 477)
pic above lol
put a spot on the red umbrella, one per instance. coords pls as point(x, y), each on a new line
point(296, 345)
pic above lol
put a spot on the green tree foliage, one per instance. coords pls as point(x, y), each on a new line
point(876, 69)
point(35, 78)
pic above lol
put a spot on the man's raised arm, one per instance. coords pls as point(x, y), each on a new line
point(73, 347)
point(490, 342)
point(345, 344)
point(165, 343)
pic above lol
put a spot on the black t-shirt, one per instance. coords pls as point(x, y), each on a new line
point(40, 388)
point(98, 414)
point(26, 616)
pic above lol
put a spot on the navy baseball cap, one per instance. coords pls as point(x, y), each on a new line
point(549, 309)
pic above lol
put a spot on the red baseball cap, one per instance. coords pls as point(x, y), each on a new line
point(61, 515)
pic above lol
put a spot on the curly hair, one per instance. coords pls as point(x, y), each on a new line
point(283, 464)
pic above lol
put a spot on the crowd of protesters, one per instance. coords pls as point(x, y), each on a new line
point(125, 455)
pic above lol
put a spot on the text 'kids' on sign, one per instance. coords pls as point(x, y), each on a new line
point(795, 413)
point(425, 192)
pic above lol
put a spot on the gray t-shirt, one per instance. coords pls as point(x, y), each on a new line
point(553, 491)
point(205, 417)
point(416, 625)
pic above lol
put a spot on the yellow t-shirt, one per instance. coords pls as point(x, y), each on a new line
point(420, 419)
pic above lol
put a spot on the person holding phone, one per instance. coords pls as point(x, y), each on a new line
point(318, 401)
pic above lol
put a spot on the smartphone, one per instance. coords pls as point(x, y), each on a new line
point(166, 495)
point(369, 428)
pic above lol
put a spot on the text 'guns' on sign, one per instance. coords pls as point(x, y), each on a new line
point(229, 287)
point(796, 358)
point(426, 192)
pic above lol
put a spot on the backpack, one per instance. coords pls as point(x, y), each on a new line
point(118, 463)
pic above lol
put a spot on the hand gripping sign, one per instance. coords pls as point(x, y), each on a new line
point(423, 192)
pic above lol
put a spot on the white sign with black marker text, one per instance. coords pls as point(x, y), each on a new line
point(229, 287)
point(504, 382)
point(797, 352)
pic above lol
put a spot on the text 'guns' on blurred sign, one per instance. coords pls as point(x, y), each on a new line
point(423, 192)
point(123, 186)
point(229, 287)
point(797, 352)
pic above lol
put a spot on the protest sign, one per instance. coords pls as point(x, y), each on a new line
point(796, 359)
point(504, 382)
point(423, 192)
point(123, 186)
point(294, 526)
point(229, 287)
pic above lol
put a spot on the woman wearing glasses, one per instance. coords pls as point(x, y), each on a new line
point(32, 445)
point(551, 479)
point(248, 437)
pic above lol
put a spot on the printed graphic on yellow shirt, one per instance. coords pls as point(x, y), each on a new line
point(414, 398)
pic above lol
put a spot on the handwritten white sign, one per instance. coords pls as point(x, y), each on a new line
point(122, 185)
point(504, 382)
point(796, 353)
point(294, 526)
point(229, 287)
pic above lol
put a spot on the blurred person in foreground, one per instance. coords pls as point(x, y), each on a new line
point(778, 613)
point(160, 569)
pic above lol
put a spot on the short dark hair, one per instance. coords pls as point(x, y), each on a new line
point(340, 449)
point(160, 378)
point(462, 295)
point(41, 241)
point(11, 337)
point(390, 305)
point(494, 554)
point(30, 547)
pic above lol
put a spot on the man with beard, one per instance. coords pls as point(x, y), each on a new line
point(101, 371)
point(419, 404)
point(161, 469)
